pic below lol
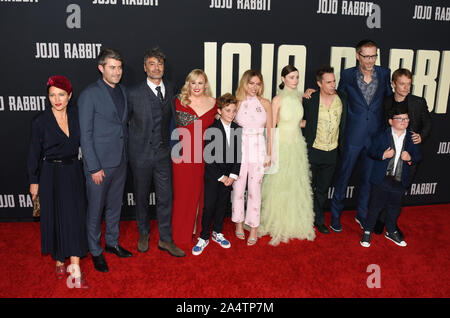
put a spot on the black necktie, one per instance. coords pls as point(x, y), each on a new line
point(160, 95)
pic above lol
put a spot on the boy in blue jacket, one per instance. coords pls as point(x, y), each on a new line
point(394, 153)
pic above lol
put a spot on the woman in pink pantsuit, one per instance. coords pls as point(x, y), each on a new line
point(253, 115)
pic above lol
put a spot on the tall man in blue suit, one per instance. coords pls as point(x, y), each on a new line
point(366, 86)
point(103, 124)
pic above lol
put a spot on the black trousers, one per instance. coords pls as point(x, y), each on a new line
point(388, 196)
point(159, 172)
point(323, 166)
point(217, 196)
point(412, 174)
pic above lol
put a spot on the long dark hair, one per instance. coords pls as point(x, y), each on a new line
point(285, 71)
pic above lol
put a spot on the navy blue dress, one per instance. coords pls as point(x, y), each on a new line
point(53, 164)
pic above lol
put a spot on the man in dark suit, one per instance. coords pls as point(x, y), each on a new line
point(103, 126)
point(366, 86)
point(325, 115)
point(222, 154)
point(152, 110)
point(419, 119)
point(419, 115)
point(394, 153)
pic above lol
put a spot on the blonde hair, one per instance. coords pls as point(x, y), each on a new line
point(243, 83)
point(185, 91)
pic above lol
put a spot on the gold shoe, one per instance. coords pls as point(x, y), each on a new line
point(252, 241)
point(240, 235)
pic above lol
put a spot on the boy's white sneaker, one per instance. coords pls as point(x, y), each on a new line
point(221, 240)
point(200, 246)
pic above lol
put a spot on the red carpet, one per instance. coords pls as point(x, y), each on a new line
point(333, 265)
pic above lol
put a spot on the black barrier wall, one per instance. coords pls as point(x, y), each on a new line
point(224, 37)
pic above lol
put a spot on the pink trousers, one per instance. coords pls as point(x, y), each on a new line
point(252, 172)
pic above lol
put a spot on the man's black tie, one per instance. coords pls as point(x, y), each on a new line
point(160, 95)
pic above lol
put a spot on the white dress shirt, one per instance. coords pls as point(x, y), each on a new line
point(398, 141)
point(153, 87)
point(227, 129)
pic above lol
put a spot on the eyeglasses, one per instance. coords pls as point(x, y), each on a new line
point(401, 119)
point(369, 57)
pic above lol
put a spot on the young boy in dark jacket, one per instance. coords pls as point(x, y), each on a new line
point(394, 153)
point(222, 156)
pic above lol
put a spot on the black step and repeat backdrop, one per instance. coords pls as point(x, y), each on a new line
point(224, 37)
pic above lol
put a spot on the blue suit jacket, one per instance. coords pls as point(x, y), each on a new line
point(103, 133)
point(363, 120)
point(380, 143)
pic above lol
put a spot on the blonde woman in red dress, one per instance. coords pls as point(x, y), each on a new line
point(195, 110)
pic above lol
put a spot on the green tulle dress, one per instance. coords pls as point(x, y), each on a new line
point(287, 198)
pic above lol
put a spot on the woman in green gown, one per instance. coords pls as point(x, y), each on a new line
point(287, 198)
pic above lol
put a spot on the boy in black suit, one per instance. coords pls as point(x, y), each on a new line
point(394, 152)
point(222, 155)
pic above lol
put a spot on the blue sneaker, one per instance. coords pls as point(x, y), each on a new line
point(336, 225)
point(221, 240)
point(200, 246)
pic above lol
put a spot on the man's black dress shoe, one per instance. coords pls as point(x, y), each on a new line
point(118, 250)
point(322, 228)
point(100, 263)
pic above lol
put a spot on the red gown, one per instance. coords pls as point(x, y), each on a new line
point(188, 173)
